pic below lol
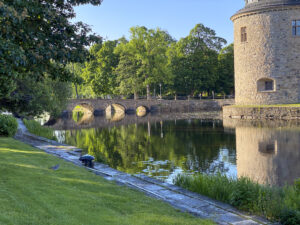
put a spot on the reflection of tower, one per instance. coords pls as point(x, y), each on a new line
point(268, 155)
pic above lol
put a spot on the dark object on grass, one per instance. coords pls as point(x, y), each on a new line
point(87, 160)
point(54, 167)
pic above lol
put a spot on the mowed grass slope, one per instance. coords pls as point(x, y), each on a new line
point(30, 193)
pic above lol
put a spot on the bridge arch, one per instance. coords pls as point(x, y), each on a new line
point(84, 107)
point(142, 110)
point(83, 113)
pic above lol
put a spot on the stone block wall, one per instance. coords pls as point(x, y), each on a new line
point(271, 51)
point(235, 112)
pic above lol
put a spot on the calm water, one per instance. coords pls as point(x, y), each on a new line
point(267, 153)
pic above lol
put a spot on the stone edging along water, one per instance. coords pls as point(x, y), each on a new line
point(179, 198)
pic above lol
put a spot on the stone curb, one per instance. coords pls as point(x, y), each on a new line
point(177, 197)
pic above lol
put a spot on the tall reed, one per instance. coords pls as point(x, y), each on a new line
point(36, 128)
point(275, 203)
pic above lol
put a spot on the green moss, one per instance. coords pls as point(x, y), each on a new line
point(30, 193)
point(36, 128)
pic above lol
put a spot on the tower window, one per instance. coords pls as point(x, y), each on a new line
point(243, 34)
point(296, 27)
point(265, 84)
point(269, 85)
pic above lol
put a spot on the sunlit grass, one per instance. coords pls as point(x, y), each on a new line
point(31, 193)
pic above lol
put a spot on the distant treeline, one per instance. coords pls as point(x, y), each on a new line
point(152, 62)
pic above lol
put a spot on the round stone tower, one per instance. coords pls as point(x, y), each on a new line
point(267, 52)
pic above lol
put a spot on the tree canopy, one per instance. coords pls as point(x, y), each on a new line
point(37, 39)
point(151, 58)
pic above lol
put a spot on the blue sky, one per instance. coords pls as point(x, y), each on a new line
point(113, 18)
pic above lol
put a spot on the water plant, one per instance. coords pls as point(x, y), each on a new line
point(275, 203)
point(36, 128)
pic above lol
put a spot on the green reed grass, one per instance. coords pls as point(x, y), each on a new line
point(275, 203)
point(36, 128)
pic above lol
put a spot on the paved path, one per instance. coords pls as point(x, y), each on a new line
point(179, 198)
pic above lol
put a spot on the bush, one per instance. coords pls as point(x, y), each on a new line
point(8, 125)
point(276, 203)
point(36, 128)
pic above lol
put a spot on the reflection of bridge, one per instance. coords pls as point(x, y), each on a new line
point(119, 120)
point(98, 106)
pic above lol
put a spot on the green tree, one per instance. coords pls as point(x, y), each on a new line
point(194, 61)
point(99, 72)
point(31, 97)
point(37, 39)
point(225, 83)
point(148, 49)
point(80, 87)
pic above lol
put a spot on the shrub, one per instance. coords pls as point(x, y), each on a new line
point(8, 125)
point(36, 128)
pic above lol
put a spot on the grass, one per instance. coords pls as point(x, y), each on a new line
point(36, 128)
point(30, 193)
point(267, 106)
point(272, 202)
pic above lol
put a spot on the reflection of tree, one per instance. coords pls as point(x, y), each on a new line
point(190, 146)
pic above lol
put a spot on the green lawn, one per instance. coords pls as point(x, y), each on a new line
point(30, 193)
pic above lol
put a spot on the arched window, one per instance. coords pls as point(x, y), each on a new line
point(265, 85)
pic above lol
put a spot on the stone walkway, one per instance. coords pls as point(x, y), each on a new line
point(179, 198)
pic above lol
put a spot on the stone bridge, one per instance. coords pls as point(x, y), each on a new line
point(99, 106)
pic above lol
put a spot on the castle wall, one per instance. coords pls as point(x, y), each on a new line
point(271, 51)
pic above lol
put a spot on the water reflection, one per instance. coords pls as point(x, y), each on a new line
point(267, 152)
point(161, 149)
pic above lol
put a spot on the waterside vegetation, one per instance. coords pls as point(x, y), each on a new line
point(36, 128)
point(275, 203)
point(31, 193)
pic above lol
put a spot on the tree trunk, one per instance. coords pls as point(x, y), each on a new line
point(149, 129)
point(175, 97)
point(76, 90)
point(148, 92)
point(136, 95)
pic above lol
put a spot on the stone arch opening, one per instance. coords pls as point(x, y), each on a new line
point(266, 85)
point(142, 111)
point(115, 112)
point(82, 112)
point(84, 107)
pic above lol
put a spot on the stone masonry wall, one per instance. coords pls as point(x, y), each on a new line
point(261, 112)
point(271, 51)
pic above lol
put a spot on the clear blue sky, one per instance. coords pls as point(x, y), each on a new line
point(113, 18)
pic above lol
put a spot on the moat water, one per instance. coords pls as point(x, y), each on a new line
point(267, 152)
